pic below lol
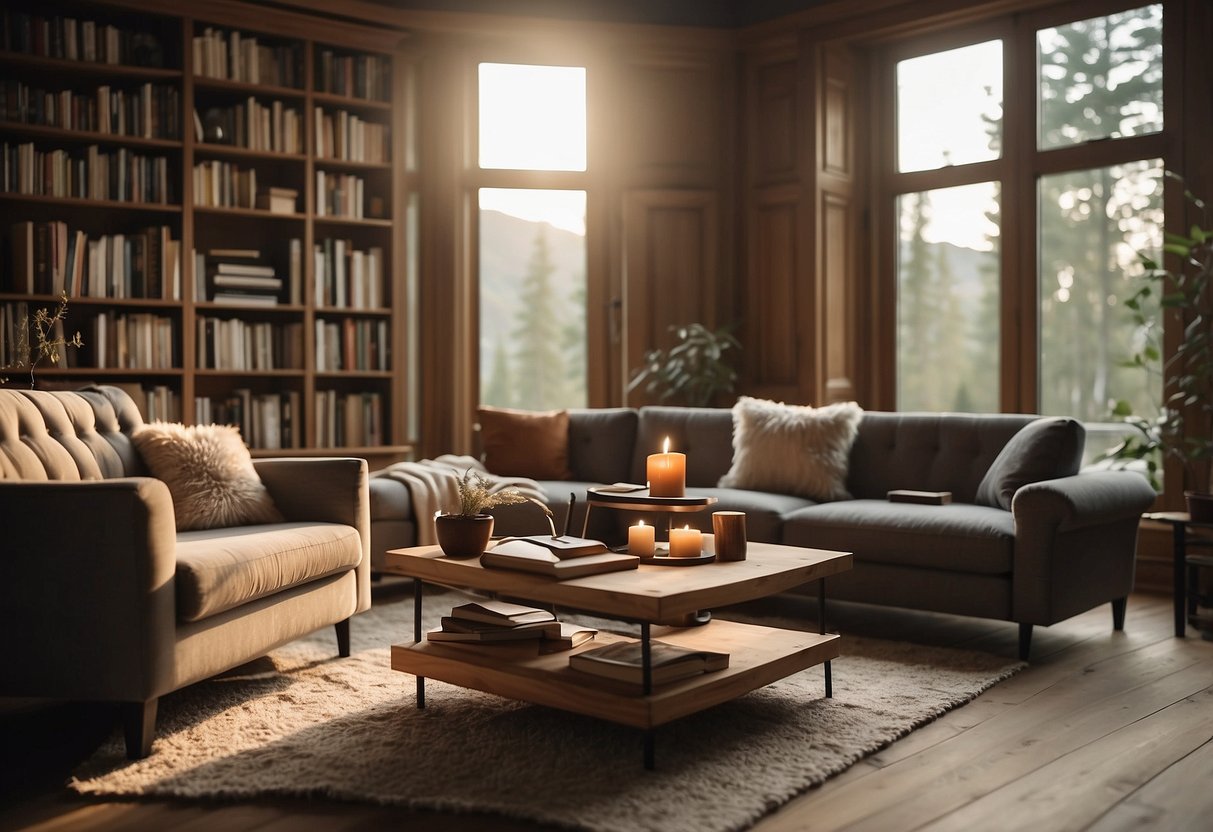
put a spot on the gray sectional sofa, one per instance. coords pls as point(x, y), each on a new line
point(1064, 543)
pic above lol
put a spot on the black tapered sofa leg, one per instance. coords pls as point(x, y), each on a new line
point(1025, 641)
point(343, 637)
point(1118, 613)
point(139, 727)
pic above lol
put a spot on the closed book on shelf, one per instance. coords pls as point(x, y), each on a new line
point(501, 613)
point(622, 660)
point(541, 561)
point(489, 632)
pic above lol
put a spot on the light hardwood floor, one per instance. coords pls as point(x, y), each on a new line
point(1104, 731)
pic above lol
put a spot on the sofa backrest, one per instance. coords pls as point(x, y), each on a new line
point(927, 451)
point(68, 435)
point(704, 434)
point(600, 443)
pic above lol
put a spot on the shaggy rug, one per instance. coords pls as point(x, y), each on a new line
point(303, 722)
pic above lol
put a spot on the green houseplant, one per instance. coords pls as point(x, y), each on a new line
point(1182, 428)
point(694, 370)
point(466, 533)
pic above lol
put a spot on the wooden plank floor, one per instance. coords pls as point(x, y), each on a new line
point(1105, 731)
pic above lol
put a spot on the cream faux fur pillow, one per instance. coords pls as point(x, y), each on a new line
point(792, 449)
point(209, 473)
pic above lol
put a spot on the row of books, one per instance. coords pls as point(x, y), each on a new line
point(224, 185)
point(352, 344)
point(355, 76)
point(346, 277)
point(352, 420)
point(340, 195)
point(235, 56)
point(136, 340)
point(274, 126)
point(50, 258)
point(115, 175)
point(77, 40)
point(343, 135)
point(235, 344)
point(149, 111)
point(269, 421)
point(506, 628)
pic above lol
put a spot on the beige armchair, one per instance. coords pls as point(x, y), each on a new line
point(113, 604)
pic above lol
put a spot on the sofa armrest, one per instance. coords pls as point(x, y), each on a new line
point(1082, 500)
point(87, 585)
point(1075, 543)
point(324, 490)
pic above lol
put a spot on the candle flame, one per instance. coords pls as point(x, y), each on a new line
point(665, 448)
point(641, 523)
point(687, 527)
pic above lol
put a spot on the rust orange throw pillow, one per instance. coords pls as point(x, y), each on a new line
point(525, 443)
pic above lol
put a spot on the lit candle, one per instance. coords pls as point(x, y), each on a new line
point(667, 473)
point(641, 540)
point(686, 542)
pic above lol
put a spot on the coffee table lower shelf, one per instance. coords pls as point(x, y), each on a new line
point(758, 656)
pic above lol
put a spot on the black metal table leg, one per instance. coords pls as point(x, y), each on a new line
point(821, 625)
point(1178, 532)
point(417, 592)
point(646, 678)
point(649, 754)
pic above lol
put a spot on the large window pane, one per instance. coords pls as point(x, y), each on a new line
point(947, 299)
point(532, 298)
point(1093, 225)
point(532, 117)
point(1100, 78)
point(949, 107)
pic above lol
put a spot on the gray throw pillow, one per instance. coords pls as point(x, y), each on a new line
point(1045, 449)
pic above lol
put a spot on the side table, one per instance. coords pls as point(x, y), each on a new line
point(1186, 588)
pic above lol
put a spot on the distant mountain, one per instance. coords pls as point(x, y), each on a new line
point(965, 264)
point(507, 244)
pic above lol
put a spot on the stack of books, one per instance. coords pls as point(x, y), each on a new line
point(238, 277)
point(498, 623)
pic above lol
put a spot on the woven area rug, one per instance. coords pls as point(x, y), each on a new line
point(303, 722)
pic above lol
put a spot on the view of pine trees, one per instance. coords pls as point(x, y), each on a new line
point(1098, 78)
point(532, 321)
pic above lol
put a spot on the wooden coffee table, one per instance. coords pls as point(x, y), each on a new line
point(758, 655)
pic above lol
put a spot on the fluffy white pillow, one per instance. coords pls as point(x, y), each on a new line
point(209, 473)
point(792, 449)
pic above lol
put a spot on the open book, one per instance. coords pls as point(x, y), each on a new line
point(564, 546)
point(622, 660)
point(528, 556)
point(500, 613)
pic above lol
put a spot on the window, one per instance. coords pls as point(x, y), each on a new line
point(1085, 195)
point(532, 252)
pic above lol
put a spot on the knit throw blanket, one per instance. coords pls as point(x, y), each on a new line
point(433, 486)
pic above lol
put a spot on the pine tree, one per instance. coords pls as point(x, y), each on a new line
point(537, 358)
point(499, 389)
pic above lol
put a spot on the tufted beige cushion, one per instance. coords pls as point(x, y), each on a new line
point(67, 435)
point(792, 449)
point(209, 474)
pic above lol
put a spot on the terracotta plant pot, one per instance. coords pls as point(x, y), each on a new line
point(1200, 506)
point(463, 536)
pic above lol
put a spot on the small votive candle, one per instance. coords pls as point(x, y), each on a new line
point(667, 473)
point(686, 542)
point(641, 540)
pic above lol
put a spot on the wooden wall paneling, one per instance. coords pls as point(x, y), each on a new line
point(774, 128)
point(835, 257)
point(670, 262)
point(774, 332)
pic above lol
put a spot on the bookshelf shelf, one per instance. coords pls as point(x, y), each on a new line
point(195, 252)
point(64, 135)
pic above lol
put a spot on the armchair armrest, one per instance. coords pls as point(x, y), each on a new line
point(1075, 543)
point(324, 490)
point(87, 583)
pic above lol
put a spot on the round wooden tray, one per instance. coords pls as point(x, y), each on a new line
point(642, 501)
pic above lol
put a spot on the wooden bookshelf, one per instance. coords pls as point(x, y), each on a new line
point(284, 44)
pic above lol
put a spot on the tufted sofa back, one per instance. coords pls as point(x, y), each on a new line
point(68, 435)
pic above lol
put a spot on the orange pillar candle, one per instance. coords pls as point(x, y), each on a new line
point(641, 540)
point(686, 542)
point(667, 473)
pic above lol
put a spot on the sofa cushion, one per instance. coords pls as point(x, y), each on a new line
point(1045, 449)
point(792, 449)
point(525, 443)
point(209, 473)
point(220, 569)
point(764, 511)
point(704, 434)
point(956, 537)
point(600, 443)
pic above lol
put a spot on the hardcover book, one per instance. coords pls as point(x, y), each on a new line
point(622, 660)
point(501, 613)
point(527, 556)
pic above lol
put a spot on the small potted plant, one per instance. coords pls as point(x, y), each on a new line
point(466, 533)
point(1182, 429)
point(693, 371)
